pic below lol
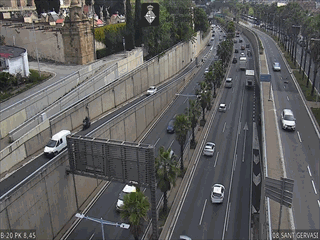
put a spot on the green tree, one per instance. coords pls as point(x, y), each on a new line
point(166, 173)
point(135, 210)
point(193, 113)
point(181, 128)
point(6, 81)
point(130, 43)
point(205, 97)
point(200, 20)
point(218, 73)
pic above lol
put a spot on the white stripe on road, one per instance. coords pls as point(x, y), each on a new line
point(287, 98)
point(224, 126)
point(314, 187)
point(171, 144)
point(309, 171)
point(156, 142)
point(229, 105)
point(91, 236)
point(319, 203)
point(215, 162)
point(204, 206)
point(228, 216)
point(299, 136)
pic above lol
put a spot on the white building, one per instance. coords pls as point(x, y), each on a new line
point(14, 60)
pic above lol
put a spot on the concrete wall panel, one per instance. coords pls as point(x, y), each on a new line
point(137, 83)
point(10, 160)
point(63, 122)
point(151, 75)
point(11, 122)
point(77, 116)
point(120, 93)
point(149, 113)
point(107, 101)
point(129, 88)
point(117, 131)
point(157, 105)
point(95, 108)
point(130, 127)
point(33, 144)
point(140, 120)
point(144, 79)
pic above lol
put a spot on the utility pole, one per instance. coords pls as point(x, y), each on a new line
point(35, 37)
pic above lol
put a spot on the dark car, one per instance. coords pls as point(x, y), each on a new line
point(235, 41)
point(234, 60)
point(240, 40)
point(242, 47)
point(170, 128)
point(248, 45)
point(249, 53)
point(236, 50)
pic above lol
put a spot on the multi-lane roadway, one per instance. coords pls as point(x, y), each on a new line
point(300, 148)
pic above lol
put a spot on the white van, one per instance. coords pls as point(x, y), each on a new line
point(57, 143)
point(228, 83)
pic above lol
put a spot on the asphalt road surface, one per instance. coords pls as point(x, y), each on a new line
point(300, 148)
point(230, 166)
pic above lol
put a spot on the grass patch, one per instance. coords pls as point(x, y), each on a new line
point(306, 90)
point(316, 113)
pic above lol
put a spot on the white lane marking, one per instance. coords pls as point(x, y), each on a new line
point(171, 144)
point(229, 105)
point(314, 187)
point(224, 126)
point(156, 142)
point(215, 162)
point(299, 136)
point(232, 89)
point(91, 236)
point(185, 100)
point(319, 203)
point(235, 163)
point(239, 126)
point(287, 98)
point(228, 216)
point(204, 206)
point(174, 116)
point(309, 171)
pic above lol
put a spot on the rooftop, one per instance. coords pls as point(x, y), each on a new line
point(11, 51)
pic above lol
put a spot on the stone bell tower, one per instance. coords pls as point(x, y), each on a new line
point(77, 36)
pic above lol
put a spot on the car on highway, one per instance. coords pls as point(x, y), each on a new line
point(206, 71)
point(222, 107)
point(236, 51)
point(242, 47)
point(57, 143)
point(249, 53)
point(184, 237)
point(209, 149)
point(247, 45)
point(217, 193)
point(240, 40)
point(228, 83)
point(234, 60)
point(170, 128)
point(288, 120)
point(152, 90)
point(129, 188)
point(235, 41)
point(242, 54)
point(276, 66)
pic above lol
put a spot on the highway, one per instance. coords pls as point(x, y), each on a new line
point(300, 148)
point(230, 166)
point(156, 136)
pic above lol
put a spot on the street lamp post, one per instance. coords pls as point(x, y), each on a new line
point(124, 44)
point(102, 222)
point(35, 37)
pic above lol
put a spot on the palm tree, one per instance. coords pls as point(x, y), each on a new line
point(166, 173)
point(205, 97)
point(193, 114)
point(181, 128)
point(134, 210)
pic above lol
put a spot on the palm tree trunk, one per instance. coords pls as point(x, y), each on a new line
point(193, 134)
point(165, 202)
point(181, 156)
point(302, 52)
point(203, 113)
point(305, 60)
point(315, 71)
point(309, 70)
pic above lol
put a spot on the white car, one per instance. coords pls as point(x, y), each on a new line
point(222, 107)
point(209, 149)
point(206, 71)
point(276, 66)
point(129, 188)
point(287, 120)
point(217, 193)
point(184, 237)
point(152, 90)
point(242, 54)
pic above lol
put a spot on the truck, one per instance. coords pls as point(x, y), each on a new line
point(243, 63)
point(249, 78)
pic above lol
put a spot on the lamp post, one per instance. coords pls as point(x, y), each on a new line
point(102, 222)
point(315, 53)
point(35, 37)
point(124, 44)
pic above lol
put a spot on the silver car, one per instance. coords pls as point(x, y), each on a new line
point(217, 193)
point(222, 107)
point(209, 149)
point(276, 66)
point(288, 121)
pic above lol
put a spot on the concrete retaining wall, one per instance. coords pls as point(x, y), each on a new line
point(21, 117)
point(48, 201)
